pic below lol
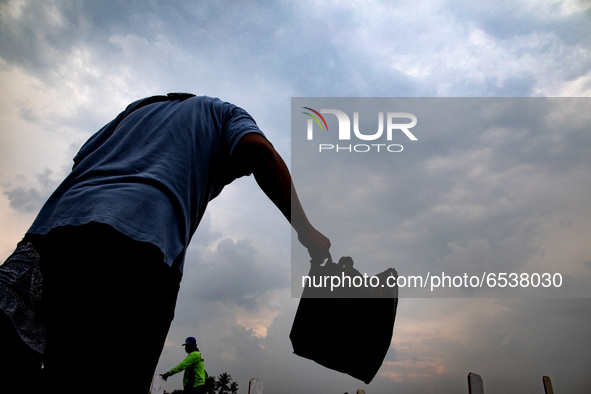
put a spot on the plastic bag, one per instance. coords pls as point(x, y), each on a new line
point(350, 330)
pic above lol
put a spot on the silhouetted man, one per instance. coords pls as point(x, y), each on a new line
point(112, 237)
point(193, 367)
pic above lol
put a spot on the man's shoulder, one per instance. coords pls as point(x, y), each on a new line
point(196, 355)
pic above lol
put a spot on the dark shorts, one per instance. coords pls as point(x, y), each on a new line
point(195, 390)
point(108, 305)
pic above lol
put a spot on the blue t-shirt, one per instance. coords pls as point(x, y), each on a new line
point(151, 173)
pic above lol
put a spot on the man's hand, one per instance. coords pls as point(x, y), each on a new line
point(318, 244)
point(165, 375)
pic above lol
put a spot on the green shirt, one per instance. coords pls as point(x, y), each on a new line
point(194, 370)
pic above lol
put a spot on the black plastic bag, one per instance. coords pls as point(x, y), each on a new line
point(347, 329)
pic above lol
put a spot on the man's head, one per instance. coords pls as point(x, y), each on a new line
point(190, 344)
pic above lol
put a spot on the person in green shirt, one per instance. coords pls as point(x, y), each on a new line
point(194, 376)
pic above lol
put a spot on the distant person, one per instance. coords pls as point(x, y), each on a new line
point(112, 237)
point(194, 375)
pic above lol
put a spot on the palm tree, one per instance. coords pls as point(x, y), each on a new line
point(223, 383)
point(234, 388)
point(210, 385)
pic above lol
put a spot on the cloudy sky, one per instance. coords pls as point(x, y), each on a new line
point(509, 193)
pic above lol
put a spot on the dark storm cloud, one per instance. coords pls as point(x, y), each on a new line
point(467, 196)
point(234, 273)
point(31, 199)
point(25, 200)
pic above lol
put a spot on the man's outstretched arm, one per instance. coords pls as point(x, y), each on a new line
point(254, 153)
